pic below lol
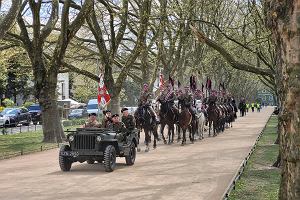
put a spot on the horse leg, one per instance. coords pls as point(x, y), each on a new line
point(215, 125)
point(155, 134)
point(147, 139)
point(172, 129)
point(183, 136)
point(191, 133)
point(178, 131)
point(162, 127)
point(169, 135)
point(209, 128)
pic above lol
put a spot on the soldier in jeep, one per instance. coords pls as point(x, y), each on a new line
point(92, 121)
point(118, 126)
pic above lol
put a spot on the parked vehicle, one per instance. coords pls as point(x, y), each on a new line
point(5, 120)
point(92, 107)
point(77, 113)
point(36, 113)
point(17, 116)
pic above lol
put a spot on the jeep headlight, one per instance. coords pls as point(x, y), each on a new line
point(71, 138)
point(98, 138)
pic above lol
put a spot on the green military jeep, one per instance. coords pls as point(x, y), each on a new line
point(98, 144)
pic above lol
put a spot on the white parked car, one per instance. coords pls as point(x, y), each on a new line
point(4, 120)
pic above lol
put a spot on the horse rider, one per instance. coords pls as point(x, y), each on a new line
point(127, 119)
point(92, 121)
point(144, 103)
point(168, 95)
point(187, 101)
point(212, 99)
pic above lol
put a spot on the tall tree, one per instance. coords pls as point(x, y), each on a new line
point(46, 68)
point(283, 20)
point(108, 54)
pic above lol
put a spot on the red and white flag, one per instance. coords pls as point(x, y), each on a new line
point(103, 96)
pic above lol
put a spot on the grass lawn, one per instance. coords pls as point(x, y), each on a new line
point(260, 181)
point(12, 145)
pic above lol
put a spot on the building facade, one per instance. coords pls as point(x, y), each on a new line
point(266, 97)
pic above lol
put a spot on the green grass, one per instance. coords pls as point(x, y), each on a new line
point(28, 142)
point(260, 181)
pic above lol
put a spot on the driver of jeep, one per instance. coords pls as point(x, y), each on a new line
point(92, 121)
point(118, 126)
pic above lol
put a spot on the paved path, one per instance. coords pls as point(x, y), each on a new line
point(196, 171)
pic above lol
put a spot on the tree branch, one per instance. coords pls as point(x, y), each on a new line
point(7, 22)
point(228, 57)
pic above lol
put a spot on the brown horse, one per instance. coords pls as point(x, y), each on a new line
point(212, 118)
point(185, 120)
point(167, 117)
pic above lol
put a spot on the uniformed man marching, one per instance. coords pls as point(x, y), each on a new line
point(92, 122)
point(128, 119)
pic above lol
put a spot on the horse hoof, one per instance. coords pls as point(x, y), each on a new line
point(154, 147)
point(138, 149)
point(147, 150)
point(165, 142)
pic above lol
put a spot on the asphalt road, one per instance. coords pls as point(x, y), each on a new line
point(196, 171)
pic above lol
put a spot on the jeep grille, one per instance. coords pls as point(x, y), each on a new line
point(84, 141)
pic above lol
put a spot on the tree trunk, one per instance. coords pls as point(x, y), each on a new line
point(114, 104)
point(52, 126)
point(283, 19)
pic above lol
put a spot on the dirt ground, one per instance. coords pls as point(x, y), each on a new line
point(202, 170)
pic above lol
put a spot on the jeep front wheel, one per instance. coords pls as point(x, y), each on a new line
point(109, 158)
point(130, 159)
point(64, 163)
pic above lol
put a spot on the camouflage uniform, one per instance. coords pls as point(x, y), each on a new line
point(120, 128)
point(92, 124)
point(129, 122)
point(106, 121)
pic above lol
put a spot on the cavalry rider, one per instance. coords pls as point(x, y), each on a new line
point(144, 103)
point(187, 101)
point(212, 99)
point(168, 96)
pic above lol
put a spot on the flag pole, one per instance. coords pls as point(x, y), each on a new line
point(98, 68)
